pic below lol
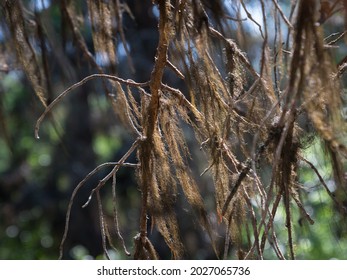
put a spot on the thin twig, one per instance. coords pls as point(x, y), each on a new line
point(286, 198)
point(109, 238)
point(102, 225)
point(240, 55)
point(175, 69)
point(254, 222)
point(269, 225)
point(234, 19)
point(150, 114)
point(290, 26)
point(128, 82)
point(303, 211)
point(234, 189)
point(341, 69)
point(127, 109)
point(81, 184)
point(338, 204)
point(115, 215)
point(274, 244)
point(227, 238)
point(249, 15)
point(114, 170)
point(184, 100)
point(332, 42)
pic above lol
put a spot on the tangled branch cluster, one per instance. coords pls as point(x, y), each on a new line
point(245, 117)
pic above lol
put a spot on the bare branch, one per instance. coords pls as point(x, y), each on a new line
point(278, 7)
point(102, 225)
point(81, 184)
point(76, 85)
point(175, 69)
point(249, 15)
point(338, 204)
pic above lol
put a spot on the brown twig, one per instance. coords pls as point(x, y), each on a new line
point(338, 204)
point(238, 52)
point(234, 189)
point(249, 15)
point(78, 84)
point(290, 26)
point(254, 223)
point(102, 225)
point(115, 215)
point(302, 209)
point(81, 184)
point(151, 113)
point(114, 170)
point(175, 69)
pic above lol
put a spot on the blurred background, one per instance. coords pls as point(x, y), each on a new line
point(37, 176)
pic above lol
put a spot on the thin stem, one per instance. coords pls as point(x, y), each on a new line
point(115, 215)
point(128, 82)
point(338, 204)
point(102, 225)
point(81, 184)
point(114, 170)
point(290, 26)
point(150, 115)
